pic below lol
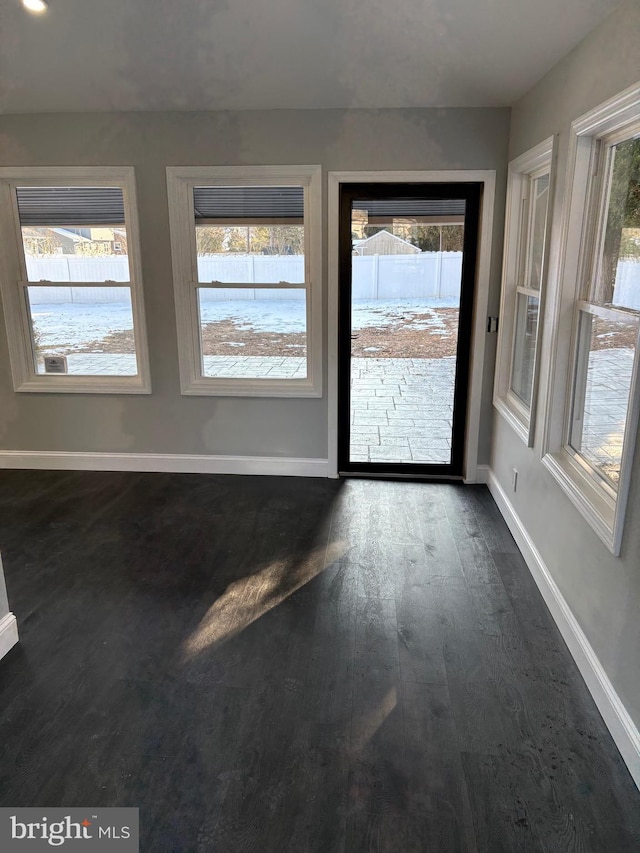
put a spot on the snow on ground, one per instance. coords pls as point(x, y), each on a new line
point(289, 315)
point(74, 324)
point(259, 315)
point(378, 313)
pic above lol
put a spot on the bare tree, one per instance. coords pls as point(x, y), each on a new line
point(623, 214)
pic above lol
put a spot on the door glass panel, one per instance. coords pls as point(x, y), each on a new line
point(406, 271)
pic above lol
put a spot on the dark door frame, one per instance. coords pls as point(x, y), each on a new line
point(471, 192)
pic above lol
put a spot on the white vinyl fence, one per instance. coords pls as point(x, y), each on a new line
point(70, 268)
point(627, 289)
point(429, 275)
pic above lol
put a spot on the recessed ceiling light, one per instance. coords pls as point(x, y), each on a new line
point(35, 6)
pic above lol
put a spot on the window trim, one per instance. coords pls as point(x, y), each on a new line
point(582, 218)
point(14, 279)
point(180, 183)
point(533, 163)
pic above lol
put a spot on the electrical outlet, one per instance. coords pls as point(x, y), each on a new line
point(514, 480)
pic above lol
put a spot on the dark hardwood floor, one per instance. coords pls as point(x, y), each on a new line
point(279, 664)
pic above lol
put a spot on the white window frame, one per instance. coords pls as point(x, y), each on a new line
point(529, 166)
point(181, 181)
point(15, 280)
point(602, 506)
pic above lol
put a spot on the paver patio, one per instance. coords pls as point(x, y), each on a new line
point(609, 377)
point(401, 409)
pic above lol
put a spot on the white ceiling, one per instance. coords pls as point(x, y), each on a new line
point(85, 55)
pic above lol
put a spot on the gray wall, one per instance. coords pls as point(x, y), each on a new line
point(602, 591)
point(166, 422)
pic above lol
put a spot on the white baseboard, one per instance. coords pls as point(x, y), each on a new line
point(8, 633)
point(164, 462)
point(482, 475)
point(617, 719)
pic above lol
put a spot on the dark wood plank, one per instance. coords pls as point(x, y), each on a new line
point(488, 715)
point(376, 653)
point(476, 559)
point(492, 525)
point(434, 769)
point(390, 569)
point(513, 807)
point(443, 559)
point(458, 622)
point(384, 833)
point(523, 591)
point(507, 655)
point(291, 792)
point(420, 641)
point(328, 695)
point(378, 781)
point(286, 664)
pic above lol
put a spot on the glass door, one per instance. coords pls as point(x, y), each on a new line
point(407, 272)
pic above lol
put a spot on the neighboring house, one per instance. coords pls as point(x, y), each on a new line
point(48, 241)
point(57, 240)
point(68, 239)
point(384, 243)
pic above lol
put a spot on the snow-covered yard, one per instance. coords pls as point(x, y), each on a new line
point(68, 326)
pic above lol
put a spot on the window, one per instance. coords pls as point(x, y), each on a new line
point(591, 449)
point(73, 303)
point(523, 283)
point(246, 262)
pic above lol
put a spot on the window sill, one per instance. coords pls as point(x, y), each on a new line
point(52, 384)
point(591, 500)
point(515, 418)
point(228, 387)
